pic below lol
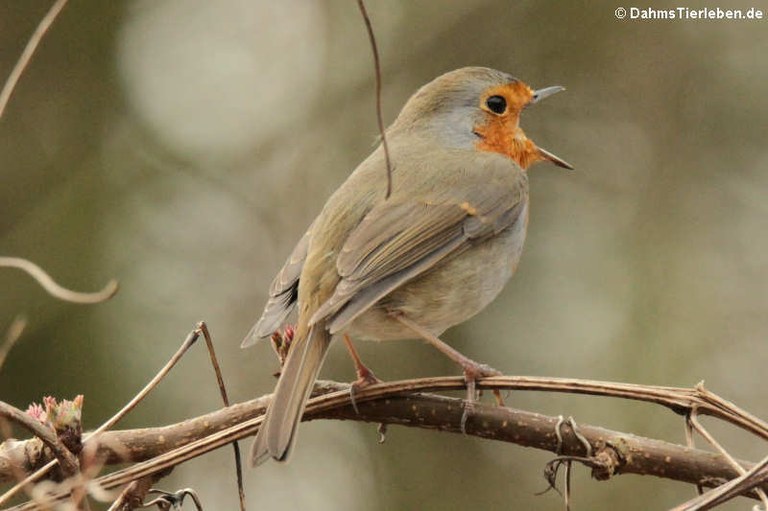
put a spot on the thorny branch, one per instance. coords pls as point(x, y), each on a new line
point(403, 402)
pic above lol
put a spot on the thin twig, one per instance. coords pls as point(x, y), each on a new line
point(54, 289)
point(379, 117)
point(11, 336)
point(29, 50)
point(692, 418)
point(188, 342)
point(191, 338)
point(690, 441)
point(203, 328)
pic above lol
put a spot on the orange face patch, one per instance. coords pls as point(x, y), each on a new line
point(500, 132)
point(517, 94)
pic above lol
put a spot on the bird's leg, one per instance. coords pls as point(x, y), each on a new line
point(472, 370)
point(365, 376)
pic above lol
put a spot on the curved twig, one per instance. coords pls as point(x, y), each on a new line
point(379, 117)
point(29, 50)
point(55, 289)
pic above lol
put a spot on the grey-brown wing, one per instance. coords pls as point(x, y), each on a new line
point(283, 293)
point(398, 241)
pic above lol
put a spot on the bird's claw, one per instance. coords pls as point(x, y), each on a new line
point(365, 378)
point(473, 372)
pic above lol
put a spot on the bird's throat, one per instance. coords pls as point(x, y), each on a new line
point(508, 140)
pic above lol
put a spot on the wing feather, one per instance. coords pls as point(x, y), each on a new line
point(399, 240)
point(283, 294)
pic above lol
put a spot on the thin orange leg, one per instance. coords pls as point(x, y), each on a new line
point(365, 376)
point(472, 370)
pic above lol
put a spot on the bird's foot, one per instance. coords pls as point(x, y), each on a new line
point(364, 379)
point(365, 376)
point(472, 372)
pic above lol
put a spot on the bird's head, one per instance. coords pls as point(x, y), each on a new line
point(480, 108)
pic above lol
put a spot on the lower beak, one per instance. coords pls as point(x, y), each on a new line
point(546, 155)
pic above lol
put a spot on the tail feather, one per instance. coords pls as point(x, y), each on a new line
point(278, 431)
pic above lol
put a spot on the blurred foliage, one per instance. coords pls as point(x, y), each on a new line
point(182, 146)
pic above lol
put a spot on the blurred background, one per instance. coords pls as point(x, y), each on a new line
point(183, 146)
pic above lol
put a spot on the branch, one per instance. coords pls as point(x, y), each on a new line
point(67, 460)
point(156, 449)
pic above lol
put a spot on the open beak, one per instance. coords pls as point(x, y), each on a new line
point(538, 95)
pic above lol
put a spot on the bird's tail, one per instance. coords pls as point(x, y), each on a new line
point(278, 431)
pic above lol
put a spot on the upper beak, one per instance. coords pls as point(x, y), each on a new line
point(538, 95)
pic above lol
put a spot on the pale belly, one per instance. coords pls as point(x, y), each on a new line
point(449, 294)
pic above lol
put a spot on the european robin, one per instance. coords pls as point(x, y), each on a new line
point(430, 256)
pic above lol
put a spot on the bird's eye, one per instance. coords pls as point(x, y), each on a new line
point(496, 104)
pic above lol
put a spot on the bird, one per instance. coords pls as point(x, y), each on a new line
point(429, 256)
